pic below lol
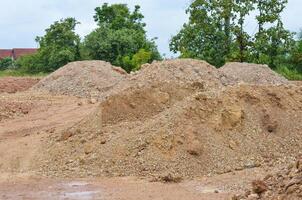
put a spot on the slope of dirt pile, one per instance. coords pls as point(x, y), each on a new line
point(204, 132)
point(283, 184)
point(16, 84)
point(157, 87)
point(82, 79)
point(252, 74)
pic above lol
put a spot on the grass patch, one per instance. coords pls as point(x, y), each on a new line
point(19, 73)
point(290, 74)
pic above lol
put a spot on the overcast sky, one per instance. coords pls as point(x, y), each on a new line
point(22, 20)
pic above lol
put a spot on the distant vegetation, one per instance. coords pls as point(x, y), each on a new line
point(120, 39)
point(215, 33)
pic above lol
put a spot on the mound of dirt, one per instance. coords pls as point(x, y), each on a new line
point(16, 84)
point(285, 183)
point(171, 120)
point(99, 80)
point(204, 132)
point(252, 74)
point(82, 79)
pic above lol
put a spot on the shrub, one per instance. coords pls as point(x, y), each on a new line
point(6, 63)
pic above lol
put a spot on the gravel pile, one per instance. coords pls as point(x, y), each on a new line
point(252, 74)
point(175, 118)
point(285, 183)
point(83, 79)
point(185, 134)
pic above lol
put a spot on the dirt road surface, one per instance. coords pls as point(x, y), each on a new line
point(127, 188)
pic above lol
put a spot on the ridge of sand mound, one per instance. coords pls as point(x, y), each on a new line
point(252, 74)
point(82, 79)
point(205, 132)
point(99, 80)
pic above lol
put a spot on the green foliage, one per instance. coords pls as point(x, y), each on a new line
point(118, 16)
point(207, 33)
point(6, 63)
point(137, 60)
point(289, 73)
point(58, 46)
point(120, 34)
point(297, 54)
point(30, 64)
point(215, 32)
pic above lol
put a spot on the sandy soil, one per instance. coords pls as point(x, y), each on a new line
point(126, 188)
point(16, 84)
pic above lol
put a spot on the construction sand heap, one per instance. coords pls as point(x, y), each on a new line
point(99, 80)
point(285, 183)
point(204, 132)
point(82, 79)
point(171, 120)
point(252, 74)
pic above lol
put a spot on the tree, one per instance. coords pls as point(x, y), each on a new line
point(58, 46)
point(240, 47)
point(273, 43)
point(215, 32)
point(120, 34)
point(208, 34)
point(296, 56)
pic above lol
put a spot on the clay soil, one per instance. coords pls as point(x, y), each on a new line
point(16, 84)
point(177, 129)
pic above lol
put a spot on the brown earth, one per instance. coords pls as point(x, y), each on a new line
point(219, 187)
point(16, 84)
point(206, 133)
point(283, 184)
point(173, 121)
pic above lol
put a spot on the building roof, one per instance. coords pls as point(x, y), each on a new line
point(18, 52)
point(5, 53)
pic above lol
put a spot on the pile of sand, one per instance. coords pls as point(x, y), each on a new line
point(82, 79)
point(285, 183)
point(99, 80)
point(187, 131)
point(252, 74)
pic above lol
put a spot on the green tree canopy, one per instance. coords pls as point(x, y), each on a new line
point(58, 46)
point(120, 34)
point(215, 32)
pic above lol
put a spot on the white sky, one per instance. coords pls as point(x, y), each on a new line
point(22, 20)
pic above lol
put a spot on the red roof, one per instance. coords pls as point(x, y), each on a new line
point(5, 53)
point(17, 53)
